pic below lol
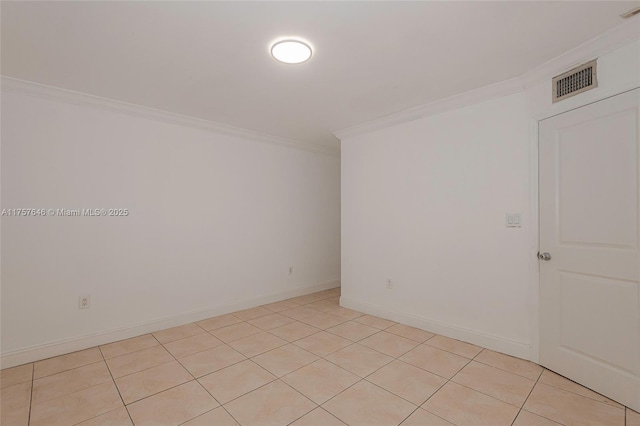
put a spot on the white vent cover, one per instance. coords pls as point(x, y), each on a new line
point(575, 81)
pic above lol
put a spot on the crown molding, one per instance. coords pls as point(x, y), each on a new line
point(471, 97)
point(609, 41)
point(598, 46)
point(605, 43)
point(23, 87)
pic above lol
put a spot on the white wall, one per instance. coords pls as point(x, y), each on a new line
point(424, 203)
point(215, 223)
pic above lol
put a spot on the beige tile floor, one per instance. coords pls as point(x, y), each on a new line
point(303, 361)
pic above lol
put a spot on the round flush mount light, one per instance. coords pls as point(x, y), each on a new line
point(291, 51)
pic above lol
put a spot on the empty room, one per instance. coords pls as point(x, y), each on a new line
point(320, 213)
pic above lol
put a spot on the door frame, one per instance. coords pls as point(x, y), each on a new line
point(582, 100)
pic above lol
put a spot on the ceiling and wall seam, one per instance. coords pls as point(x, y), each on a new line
point(471, 97)
point(13, 85)
point(609, 41)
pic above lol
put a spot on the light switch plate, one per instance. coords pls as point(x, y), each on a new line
point(514, 220)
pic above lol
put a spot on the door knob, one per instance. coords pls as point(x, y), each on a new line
point(544, 256)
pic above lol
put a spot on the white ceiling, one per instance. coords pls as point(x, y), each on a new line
point(211, 60)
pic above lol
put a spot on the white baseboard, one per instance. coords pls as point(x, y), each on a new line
point(60, 347)
point(496, 343)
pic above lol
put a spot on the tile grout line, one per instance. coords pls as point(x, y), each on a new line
point(360, 379)
point(148, 396)
point(425, 401)
point(214, 371)
point(447, 380)
point(214, 398)
point(507, 371)
point(297, 340)
point(352, 342)
point(248, 392)
point(211, 334)
point(169, 388)
point(319, 407)
point(527, 398)
point(373, 349)
point(33, 373)
point(624, 407)
point(151, 333)
point(305, 396)
point(348, 338)
point(207, 412)
point(569, 392)
point(259, 366)
point(251, 335)
point(230, 325)
point(291, 320)
point(132, 352)
point(400, 396)
point(140, 371)
point(538, 381)
point(274, 380)
point(381, 367)
point(276, 377)
point(77, 391)
point(373, 372)
point(267, 384)
point(176, 360)
point(32, 380)
point(222, 343)
point(196, 379)
point(451, 379)
point(111, 374)
point(246, 359)
point(68, 369)
point(113, 380)
point(490, 396)
point(51, 357)
point(164, 390)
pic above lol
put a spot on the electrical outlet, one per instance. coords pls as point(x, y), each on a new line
point(389, 283)
point(84, 301)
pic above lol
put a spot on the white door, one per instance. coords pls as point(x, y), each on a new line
point(589, 225)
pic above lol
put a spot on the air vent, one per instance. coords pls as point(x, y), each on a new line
point(575, 81)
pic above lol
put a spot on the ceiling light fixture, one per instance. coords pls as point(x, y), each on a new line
point(291, 51)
